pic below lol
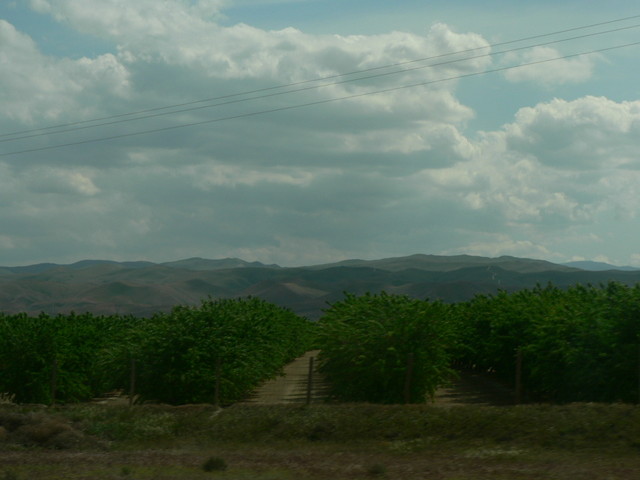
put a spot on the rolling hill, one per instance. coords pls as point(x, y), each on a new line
point(142, 288)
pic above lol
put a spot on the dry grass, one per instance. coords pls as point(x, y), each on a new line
point(320, 462)
point(323, 442)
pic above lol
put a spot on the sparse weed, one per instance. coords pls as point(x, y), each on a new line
point(495, 452)
point(214, 464)
point(125, 471)
point(377, 470)
point(407, 446)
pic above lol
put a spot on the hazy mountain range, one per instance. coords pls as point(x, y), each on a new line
point(142, 288)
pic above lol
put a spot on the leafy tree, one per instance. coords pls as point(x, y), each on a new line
point(235, 344)
point(370, 345)
point(578, 344)
point(180, 356)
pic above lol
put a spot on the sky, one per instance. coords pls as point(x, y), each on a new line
point(301, 132)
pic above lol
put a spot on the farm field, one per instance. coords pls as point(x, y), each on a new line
point(383, 358)
point(579, 441)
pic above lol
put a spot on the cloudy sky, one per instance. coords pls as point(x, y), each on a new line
point(307, 131)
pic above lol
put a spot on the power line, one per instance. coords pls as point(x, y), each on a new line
point(307, 88)
point(318, 102)
point(303, 82)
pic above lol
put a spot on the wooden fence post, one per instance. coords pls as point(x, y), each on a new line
point(132, 382)
point(310, 381)
point(518, 393)
point(408, 378)
point(639, 373)
point(216, 392)
point(54, 381)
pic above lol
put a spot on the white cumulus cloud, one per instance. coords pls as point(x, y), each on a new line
point(34, 87)
point(545, 66)
point(587, 133)
point(377, 174)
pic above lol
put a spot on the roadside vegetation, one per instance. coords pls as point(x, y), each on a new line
point(320, 442)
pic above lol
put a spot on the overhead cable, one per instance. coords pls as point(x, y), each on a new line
point(313, 87)
point(314, 103)
point(45, 130)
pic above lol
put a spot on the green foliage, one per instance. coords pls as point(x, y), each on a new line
point(38, 353)
point(245, 341)
point(177, 356)
point(371, 344)
point(579, 344)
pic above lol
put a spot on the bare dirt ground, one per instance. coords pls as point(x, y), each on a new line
point(291, 387)
point(469, 388)
point(473, 388)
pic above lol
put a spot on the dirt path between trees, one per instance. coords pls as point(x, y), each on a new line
point(473, 388)
point(291, 387)
point(470, 388)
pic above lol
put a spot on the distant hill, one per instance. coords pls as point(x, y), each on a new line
point(43, 267)
point(438, 263)
point(143, 288)
point(197, 263)
point(598, 266)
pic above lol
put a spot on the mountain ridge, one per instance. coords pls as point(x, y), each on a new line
point(388, 263)
point(143, 288)
point(597, 266)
